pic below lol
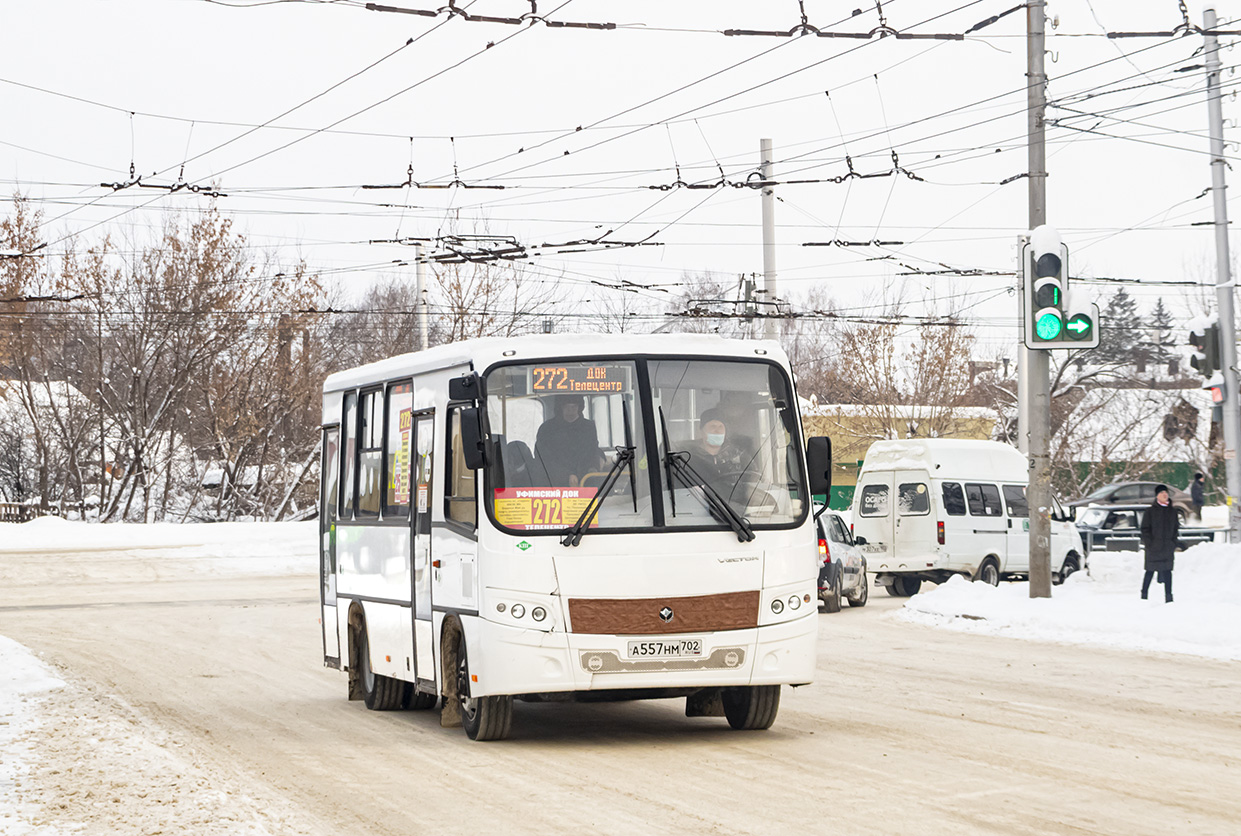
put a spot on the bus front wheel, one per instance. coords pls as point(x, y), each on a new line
point(484, 718)
point(752, 707)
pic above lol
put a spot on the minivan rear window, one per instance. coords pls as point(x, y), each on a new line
point(954, 499)
point(874, 501)
point(912, 500)
point(1015, 499)
point(983, 500)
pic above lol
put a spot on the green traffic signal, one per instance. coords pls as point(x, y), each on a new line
point(1048, 325)
point(1079, 327)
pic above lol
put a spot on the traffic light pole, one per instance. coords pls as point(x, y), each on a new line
point(1224, 288)
point(1038, 394)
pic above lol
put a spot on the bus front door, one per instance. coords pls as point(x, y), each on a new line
point(328, 506)
point(424, 645)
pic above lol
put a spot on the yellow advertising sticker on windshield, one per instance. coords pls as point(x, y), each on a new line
point(532, 509)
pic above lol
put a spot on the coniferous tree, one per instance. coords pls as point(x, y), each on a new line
point(1162, 341)
point(1123, 339)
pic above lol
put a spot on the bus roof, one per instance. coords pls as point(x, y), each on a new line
point(483, 352)
point(944, 456)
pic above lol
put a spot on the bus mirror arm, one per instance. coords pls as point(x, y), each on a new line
point(573, 534)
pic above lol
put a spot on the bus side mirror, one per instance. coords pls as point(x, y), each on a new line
point(465, 388)
point(819, 464)
point(473, 439)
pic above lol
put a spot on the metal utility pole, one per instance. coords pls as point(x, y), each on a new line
point(1224, 286)
point(1038, 493)
point(420, 271)
point(770, 330)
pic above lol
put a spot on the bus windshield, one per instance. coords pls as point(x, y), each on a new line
point(558, 428)
point(736, 428)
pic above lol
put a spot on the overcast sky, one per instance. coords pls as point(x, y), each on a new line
point(290, 108)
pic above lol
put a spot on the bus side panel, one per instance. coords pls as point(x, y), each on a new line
point(373, 565)
point(391, 639)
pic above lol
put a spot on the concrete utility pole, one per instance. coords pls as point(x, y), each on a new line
point(1224, 287)
point(420, 272)
point(770, 330)
point(1038, 494)
point(1023, 356)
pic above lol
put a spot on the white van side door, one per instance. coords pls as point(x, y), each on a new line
point(988, 524)
point(1018, 528)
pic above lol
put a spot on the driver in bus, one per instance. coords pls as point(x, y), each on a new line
point(568, 444)
point(713, 455)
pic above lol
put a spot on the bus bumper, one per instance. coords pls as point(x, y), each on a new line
point(522, 661)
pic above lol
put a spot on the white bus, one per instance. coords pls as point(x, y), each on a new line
point(570, 517)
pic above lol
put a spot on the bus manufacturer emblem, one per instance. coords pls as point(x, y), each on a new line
point(665, 615)
point(523, 545)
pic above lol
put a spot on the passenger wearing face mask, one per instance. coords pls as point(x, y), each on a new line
point(712, 455)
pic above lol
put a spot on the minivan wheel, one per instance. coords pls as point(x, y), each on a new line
point(989, 572)
point(904, 586)
point(1071, 565)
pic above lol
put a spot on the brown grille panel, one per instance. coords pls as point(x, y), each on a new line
point(640, 616)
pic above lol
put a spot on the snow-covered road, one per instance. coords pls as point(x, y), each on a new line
point(179, 689)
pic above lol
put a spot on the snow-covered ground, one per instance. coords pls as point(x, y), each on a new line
point(114, 737)
point(1104, 607)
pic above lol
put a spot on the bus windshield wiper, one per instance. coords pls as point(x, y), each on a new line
point(573, 534)
point(677, 463)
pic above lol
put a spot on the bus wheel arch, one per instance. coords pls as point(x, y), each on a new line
point(450, 638)
point(356, 624)
point(487, 717)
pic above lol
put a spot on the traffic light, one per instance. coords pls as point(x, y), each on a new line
point(1052, 318)
point(1204, 337)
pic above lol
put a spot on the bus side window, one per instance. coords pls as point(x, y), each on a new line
point(370, 452)
point(874, 501)
point(398, 453)
point(460, 503)
point(348, 451)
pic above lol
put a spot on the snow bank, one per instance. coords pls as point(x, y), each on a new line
point(24, 684)
point(206, 548)
point(1104, 608)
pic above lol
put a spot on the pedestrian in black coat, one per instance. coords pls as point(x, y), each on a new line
point(1160, 528)
point(1198, 494)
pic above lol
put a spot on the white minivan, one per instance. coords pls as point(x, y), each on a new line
point(931, 508)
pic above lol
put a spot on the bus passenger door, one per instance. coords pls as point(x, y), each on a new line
point(327, 545)
point(420, 565)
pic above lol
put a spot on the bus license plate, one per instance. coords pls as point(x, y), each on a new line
point(664, 649)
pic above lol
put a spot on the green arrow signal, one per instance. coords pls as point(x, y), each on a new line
point(1079, 327)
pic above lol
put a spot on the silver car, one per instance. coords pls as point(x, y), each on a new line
point(842, 568)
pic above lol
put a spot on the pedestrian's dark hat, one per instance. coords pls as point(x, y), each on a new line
point(1161, 488)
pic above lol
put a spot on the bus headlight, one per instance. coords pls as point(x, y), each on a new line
point(517, 610)
point(777, 606)
point(538, 613)
point(794, 602)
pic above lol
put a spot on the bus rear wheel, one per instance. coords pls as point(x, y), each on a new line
point(379, 692)
point(751, 708)
point(484, 718)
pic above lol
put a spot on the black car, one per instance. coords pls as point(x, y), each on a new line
point(1136, 494)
